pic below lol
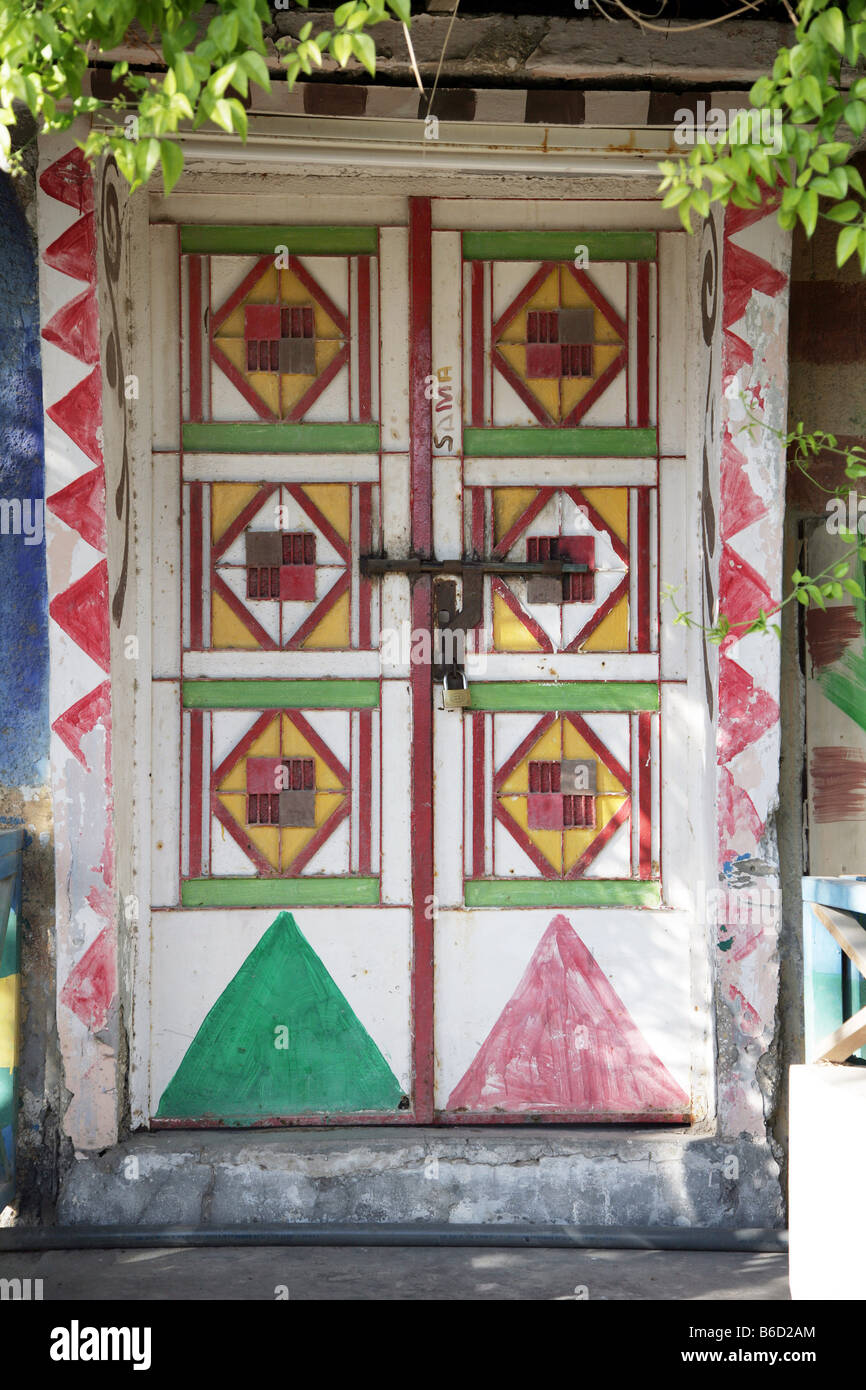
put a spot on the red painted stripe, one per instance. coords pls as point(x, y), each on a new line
point(479, 793)
point(242, 520)
point(250, 396)
point(243, 289)
point(306, 730)
point(520, 752)
point(365, 588)
point(521, 389)
point(196, 752)
point(312, 621)
point(525, 295)
point(478, 538)
point(599, 301)
point(365, 790)
point(265, 869)
point(620, 546)
point(604, 754)
point(597, 389)
point(594, 849)
point(364, 391)
point(525, 618)
point(243, 614)
point(539, 501)
point(600, 614)
point(545, 868)
point(235, 754)
point(643, 569)
point(320, 521)
point(319, 295)
point(321, 383)
point(195, 330)
point(644, 793)
point(196, 565)
point(421, 463)
point(422, 861)
point(643, 344)
point(421, 367)
point(324, 832)
point(477, 342)
point(479, 541)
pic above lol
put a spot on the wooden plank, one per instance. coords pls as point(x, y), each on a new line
point(534, 441)
point(595, 696)
point(279, 892)
point(842, 1042)
point(847, 931)
point(585, 892)
point(263, 241)
point(255, 436)
point(421, 677)
point(558, 246)
point(276, 694)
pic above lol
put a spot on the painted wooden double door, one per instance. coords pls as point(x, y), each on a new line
point(366, 906)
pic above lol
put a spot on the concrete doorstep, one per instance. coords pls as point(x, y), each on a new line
point(397, 1274)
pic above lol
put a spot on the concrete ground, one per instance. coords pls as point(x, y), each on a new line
point(397, 1274)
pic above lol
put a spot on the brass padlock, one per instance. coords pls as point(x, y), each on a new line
point(456, 696)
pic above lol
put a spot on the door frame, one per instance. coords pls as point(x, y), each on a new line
point(644, 212)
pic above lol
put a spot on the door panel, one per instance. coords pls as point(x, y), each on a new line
point(367, 907)
point(562, 982)
point(282, 941)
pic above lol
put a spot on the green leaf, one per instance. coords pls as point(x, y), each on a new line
point(832, 25)
point(238, 118)
point(815, 595)
point(342, 48)
point(855, 116)
point(846, 244)
point(171, 155)
point(676, 195)
point(364, 50)
point(221, 114)
point(853, 587)
point(222, 78)
point(855, 181)
point(306, 31)
point(148, 158)
point(256, 67)
point(808, 211)
point(402, 9)
point(803, 598)
point(342, 13)
point(844, 212)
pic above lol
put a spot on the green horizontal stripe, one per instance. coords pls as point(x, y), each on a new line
point(264, 241)
point(279, 892)
point(559, 246)
point(529, 696)
point(531, 441)
point(277, 694)
point(547, 892)
point(259, 437)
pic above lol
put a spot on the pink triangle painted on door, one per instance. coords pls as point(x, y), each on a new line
point(566, 1042)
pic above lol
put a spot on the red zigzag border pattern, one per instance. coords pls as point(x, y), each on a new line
point(81, 609)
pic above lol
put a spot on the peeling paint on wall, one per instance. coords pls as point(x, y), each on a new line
point(79, 648)
point(754, 385)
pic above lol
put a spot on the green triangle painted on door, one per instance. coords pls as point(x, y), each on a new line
point(233, 1069)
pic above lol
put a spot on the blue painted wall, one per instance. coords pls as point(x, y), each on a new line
point(24, 732)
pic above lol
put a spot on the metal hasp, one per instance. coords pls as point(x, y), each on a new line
point(472, 572)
